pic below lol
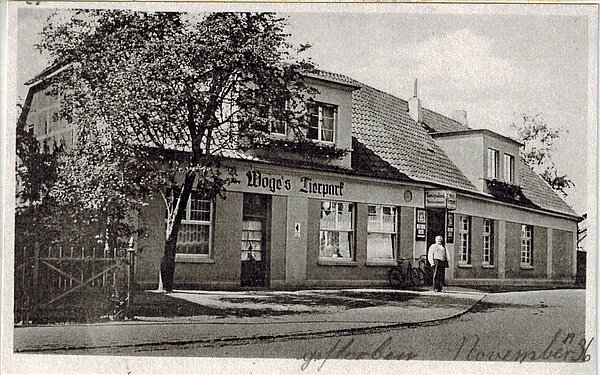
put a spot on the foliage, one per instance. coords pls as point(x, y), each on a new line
point(137, 82)
point(307, 148)
point(538, 149)
point(508, 192)
point(36, 168)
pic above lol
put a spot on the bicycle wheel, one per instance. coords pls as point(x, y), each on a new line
point(418, 277)
point(395, 278)
point(410, 280)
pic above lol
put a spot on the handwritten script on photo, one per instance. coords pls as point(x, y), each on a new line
point(564, 347)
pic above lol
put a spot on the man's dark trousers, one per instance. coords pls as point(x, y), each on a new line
point(438, 274)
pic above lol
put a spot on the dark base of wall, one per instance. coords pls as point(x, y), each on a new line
point(275, 285)
point(328, 284)
point(516, 282)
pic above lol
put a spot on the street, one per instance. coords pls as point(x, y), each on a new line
point(540, 326)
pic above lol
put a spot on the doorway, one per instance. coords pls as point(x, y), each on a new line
point(256, 230)
point(436, 225)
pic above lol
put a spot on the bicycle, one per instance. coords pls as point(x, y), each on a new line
point(409, 276)
point(425, 273)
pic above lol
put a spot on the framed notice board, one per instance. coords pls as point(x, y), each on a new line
point(421, 225)
point(450, 228)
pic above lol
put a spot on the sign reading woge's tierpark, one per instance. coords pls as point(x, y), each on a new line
point(255, 179)
point(317, 185)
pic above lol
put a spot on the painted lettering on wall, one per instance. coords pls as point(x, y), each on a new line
point(256, 179)
point(324, 189)
point(307, 185)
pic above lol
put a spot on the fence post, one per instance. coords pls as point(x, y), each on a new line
point(130, 277)
point(36, 264)
point(34, 292)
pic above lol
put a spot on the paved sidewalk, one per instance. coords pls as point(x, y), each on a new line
point(278, 314)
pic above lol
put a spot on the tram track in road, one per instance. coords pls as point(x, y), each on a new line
point(249, 340)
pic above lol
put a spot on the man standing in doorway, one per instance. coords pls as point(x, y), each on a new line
point(438, 258)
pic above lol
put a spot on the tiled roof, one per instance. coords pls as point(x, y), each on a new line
point(539, 192)
point(441, 123)
point(367, 163)
point(335, 77)
point(381, 122)
point(364, 163)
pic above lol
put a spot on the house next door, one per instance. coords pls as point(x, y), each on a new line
point(256, 229)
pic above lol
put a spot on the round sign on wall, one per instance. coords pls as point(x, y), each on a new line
point(408, 195)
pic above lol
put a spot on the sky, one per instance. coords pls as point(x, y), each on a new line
point(491, 64)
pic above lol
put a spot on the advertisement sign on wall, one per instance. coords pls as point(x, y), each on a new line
point(440, 199)
point(421, 225)
point(450, 228)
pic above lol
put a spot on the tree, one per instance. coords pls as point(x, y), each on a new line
point(538, 150)
point(162, 99)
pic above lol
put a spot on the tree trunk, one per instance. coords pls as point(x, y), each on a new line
point(167, 264)
point(167, 273)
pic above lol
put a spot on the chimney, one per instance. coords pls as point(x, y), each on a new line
point(460, 116)
point(414, 107)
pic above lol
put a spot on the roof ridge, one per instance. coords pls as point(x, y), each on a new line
point(394, 96)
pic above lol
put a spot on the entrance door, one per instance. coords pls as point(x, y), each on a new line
point(256, 229)
point(436, 225)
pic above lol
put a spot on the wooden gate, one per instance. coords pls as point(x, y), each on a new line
point(69, 284)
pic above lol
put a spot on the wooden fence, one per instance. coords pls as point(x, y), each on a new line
point(55, 283)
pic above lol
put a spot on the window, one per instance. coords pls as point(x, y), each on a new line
point(321, 125)
point(381, 238)
point(337, 230)
point(492, 164)
point(253, 226)
point(488, 242)
point(278, 127)
point(526, 245)
point(194, 234)
point(509, 168)
point(464, 238)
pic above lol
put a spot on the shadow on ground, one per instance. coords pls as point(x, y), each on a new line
point(151, 304)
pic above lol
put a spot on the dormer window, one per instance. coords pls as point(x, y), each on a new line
point(492, 164)
point(322, 122)
point(509, 168)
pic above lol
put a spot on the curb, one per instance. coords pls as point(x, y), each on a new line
point(268, 338)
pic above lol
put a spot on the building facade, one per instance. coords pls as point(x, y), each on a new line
point(409, 175)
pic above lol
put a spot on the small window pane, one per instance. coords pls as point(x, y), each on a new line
point(336, 224)
point(328, 215)
point(508, 168)
point(193, 239)
point(336, 244)
point(328, 113)
point(327, 135)
point(373, 223)
point(380, 246)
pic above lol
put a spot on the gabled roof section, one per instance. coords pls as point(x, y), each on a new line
point(47, 72)
point(336, 78)
point(486, 132)
point(441, 123)
point(539, 192)
point(381, 122)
